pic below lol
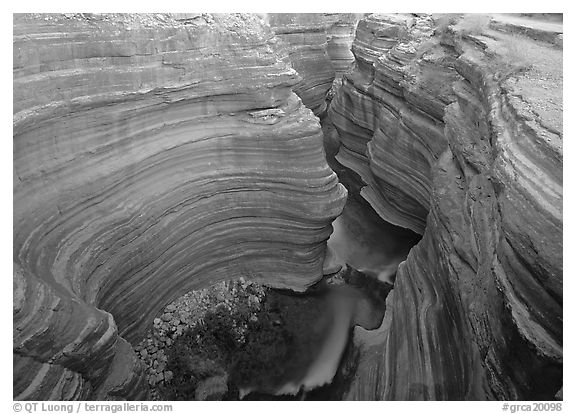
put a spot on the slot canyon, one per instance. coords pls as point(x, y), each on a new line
point(374, 199)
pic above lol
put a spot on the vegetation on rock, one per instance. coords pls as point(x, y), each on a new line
point(234, 331)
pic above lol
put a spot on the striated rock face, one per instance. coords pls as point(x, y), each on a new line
point(476, 311)
point(340, 35)
point(152, 155)
point(389, 115)
point(66, 349)
point(319, 49)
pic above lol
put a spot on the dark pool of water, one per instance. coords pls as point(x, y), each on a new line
point(363, 241)
point(367, 243)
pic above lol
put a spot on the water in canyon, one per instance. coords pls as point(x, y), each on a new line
point(367, 243)
point(323, 338)
point(369, 251)
point(364, 254)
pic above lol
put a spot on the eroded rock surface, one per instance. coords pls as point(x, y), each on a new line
point(158, 154)
point(319, 49)
point(389, 112)
point(476, 310)
point(153, 155)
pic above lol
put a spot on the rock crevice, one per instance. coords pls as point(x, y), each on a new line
point(476, 310)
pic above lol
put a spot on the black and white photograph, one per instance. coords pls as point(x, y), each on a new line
point(296, 206)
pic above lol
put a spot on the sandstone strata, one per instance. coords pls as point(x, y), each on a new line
point(340, 35)
point(476, 310)
point(389, 115)
point(153, 155)
point(319, 50)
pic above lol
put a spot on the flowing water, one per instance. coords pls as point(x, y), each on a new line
point(324, 368)
point(367, 243)
point(362, 240)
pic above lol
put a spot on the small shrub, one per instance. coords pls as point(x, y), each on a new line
point(256, 363)
point(473, 24)
point(241, 340)
point(424, 48)
point(444, 22)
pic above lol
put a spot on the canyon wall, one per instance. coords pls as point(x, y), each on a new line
point(455, 130)
point(389, 115)
point(318, 46)
point(340, 36)
point(153, 155)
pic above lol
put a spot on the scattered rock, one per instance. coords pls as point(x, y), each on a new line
point(170, 308)
point(184, 313)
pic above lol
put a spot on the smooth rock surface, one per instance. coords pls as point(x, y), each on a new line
point(319, 50)
point(476, 310)
point(389, 111)
point(153, 154)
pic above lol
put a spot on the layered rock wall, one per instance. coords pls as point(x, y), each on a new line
point(476, 310)
point(389, 114)
point(158, 154)
point(340, 36)
point(319, 49)
point(153, 155)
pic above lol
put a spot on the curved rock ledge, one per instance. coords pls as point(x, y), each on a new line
point(153, 155)
point(476, 310)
